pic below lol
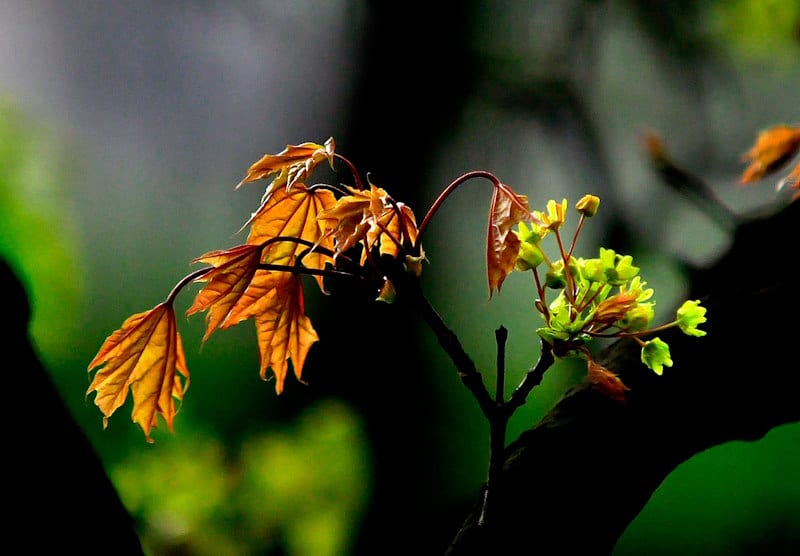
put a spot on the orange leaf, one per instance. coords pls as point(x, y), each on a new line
point(371, 217)
point(256, 298)
point(293, 164)
point(347, 221)
point(507, 210)
point(773, 147)
point(284, 331)
point(294, 213)
point(392, 228)
point(227, 282)
point(144, 354)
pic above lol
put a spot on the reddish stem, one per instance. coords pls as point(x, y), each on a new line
point(452, 187)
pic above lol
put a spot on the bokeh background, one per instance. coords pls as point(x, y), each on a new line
point(126, 126)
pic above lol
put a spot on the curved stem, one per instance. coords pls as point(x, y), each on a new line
point(353, 170)
point(185, 281)
point(452, 187)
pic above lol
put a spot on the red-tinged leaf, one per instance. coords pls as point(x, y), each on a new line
point(507, 210)
point(292, 165)
point(372, 218)
point(392, 229)
point(296, 214)
point(233, 270)
point(349, 219)
point(773, 148)
point(256, 298)
point(284, 331)
point(145, 355)
point(606, 382)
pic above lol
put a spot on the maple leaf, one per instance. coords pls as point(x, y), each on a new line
point(502, 247)
point(296, 214)
point(773, 147)
point(256, 299)
point(348, 220)
point(145, 355)
point(372, 218)
point(392, 229)
point(233, 271)
point(292, 165)
point(283, 330)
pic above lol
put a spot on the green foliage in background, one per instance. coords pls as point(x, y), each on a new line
point(758, 29)
point(302, 489)
point(38, 235)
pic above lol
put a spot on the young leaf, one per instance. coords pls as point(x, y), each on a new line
point(502, 247)
point(233, 271)
point(349, 218)
point(145, 355)
point(296, 214)
point(370, 217)
point(391, 229)
point(283, 330)
point(256, 299)
point(773, 147)
point(293, 164)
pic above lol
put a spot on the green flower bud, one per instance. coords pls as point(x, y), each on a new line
point(555, 278)
point(638, 318)
point(588, 205)
point(530, 256)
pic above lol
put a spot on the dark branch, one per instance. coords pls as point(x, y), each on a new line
point(575, 480)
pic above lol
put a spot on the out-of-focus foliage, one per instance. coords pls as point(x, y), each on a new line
point(37, 231)
point(758, 29)
point(267, 494)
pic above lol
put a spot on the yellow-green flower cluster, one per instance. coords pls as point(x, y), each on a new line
point(597, 297)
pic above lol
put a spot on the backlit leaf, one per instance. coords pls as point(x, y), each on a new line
point(233, 270)
point(370, 217)
point(284, 331)
point(296, 214)
point(348, 220)
point(256, 299)
point(392, 228)
point(773, 148)
point(502, 247)
point(292, 165)
point(145, 355)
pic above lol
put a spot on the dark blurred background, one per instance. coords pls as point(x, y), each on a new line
point(125, 127)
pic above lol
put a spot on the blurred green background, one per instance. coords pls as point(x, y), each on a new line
point(125, 127)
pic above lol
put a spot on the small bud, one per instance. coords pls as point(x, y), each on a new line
point(414, 264)
point(555, 278)
point(530, 256)
point(588, 205)
point(387, 293)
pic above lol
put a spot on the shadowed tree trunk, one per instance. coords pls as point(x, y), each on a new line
point(59, 498)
